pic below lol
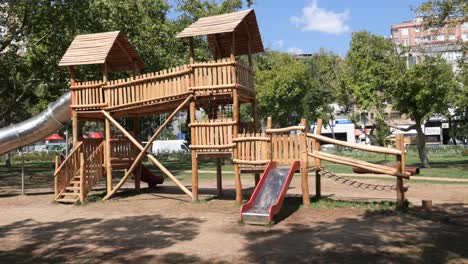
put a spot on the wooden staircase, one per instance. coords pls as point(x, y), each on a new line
point(77, 175)
point(71, 193)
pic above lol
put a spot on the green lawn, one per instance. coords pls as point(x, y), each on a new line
point(446, 165)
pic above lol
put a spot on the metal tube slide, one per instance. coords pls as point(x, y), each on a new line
point(37, 127)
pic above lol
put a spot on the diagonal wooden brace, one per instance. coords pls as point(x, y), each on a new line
point(143, 151)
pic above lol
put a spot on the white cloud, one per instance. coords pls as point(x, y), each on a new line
point(279, 43)
point(295, 50)
point(314, 18)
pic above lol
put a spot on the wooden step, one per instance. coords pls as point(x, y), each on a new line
point(75, 182)
point(67, 200)
point(72, 188)
point(70, 194)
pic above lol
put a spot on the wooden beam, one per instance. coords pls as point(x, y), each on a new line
point(193, 151)
point(143, 150)
point(218, 47)
point(137, 173)
point(219, 178)
point(129, 57)
point(191, 50)
point(108, 156)
point(249, 42)
point(400, 166)
point(304, 165)
point(75, 126)
point(317, 162)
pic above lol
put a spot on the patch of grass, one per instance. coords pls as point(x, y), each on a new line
point(327, 203)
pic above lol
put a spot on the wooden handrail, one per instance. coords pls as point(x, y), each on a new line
point(251, 162)
point(284, 129)
point(212, 64)
point(146, 79)
point(358, 163)
point(69, 155)
point(214, 124)
point(227, 146)
point(375, 149)
point(86, 86)
point(245, 139)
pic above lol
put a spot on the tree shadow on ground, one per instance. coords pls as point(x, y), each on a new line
point(375, 237)
point(93, 240)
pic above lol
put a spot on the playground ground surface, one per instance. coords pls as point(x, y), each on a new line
point(163, 226)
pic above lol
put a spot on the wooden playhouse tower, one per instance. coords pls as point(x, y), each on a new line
point(219, 87)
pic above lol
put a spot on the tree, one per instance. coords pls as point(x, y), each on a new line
point(421, 92)
point(324, 69)
point(281, 83)
point(372, 68)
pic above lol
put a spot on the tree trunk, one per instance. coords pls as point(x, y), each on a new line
point(7, 160)
point(421, 143)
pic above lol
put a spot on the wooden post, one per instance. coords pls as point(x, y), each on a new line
point(194, 153)
point(82, 176)
point(137, 173)
point(219, 178)
point(304, 165)
point(269, 145)
point(107, 160)
point(400, 165)
point(235, 117)
point(75, 129)
point(191, 50)
point(318, 163)
point(57, 165)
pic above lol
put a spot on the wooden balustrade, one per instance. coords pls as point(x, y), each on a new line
point(208, 78)
point(252, 149)
point(245, 78)
point(67, 169)
point(93, 170)
point(214, 135)
point(87, 95)
point(146, 88)
point(90, 145)
point(213, 77)
point(122, 149)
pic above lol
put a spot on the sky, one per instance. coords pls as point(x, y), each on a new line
point(305, 26)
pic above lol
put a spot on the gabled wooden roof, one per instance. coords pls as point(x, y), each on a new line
point(112, 48)
point(218, 29)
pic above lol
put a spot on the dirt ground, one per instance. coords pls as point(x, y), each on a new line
point(163, 226)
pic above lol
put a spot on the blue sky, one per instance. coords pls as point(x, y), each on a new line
point(300, 26)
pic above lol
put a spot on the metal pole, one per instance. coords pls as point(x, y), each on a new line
point(66, 142)
point(22, 172)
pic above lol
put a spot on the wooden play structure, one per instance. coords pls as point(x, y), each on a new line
point(219, 87)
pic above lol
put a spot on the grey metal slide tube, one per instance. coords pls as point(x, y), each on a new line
point(36, 128)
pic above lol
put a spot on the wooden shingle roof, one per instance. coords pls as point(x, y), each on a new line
point(112, 48)
point(218, 29)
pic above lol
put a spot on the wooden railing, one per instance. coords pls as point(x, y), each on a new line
point(253, 149)
point(147, 87)
point(213, 135)
point(204, 78)
point(245, 78)
point(93, 171)
point(87, 95)
point(122, 149)
point(68, 169)
point(90, 145)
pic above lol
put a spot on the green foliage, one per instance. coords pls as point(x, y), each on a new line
point(281, 83)
point(372, 67)
point(422, 90)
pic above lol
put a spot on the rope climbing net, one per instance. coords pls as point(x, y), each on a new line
point(356, 184)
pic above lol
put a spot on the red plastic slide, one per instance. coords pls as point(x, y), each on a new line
point(151, 179)
point(268, 196)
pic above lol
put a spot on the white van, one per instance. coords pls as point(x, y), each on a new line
point(169, 146)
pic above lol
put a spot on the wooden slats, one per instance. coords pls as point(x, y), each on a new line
point(210, 79)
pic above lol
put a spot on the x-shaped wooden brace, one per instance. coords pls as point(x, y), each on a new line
point(143, 151)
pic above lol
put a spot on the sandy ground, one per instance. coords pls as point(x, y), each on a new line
point(163, 226)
